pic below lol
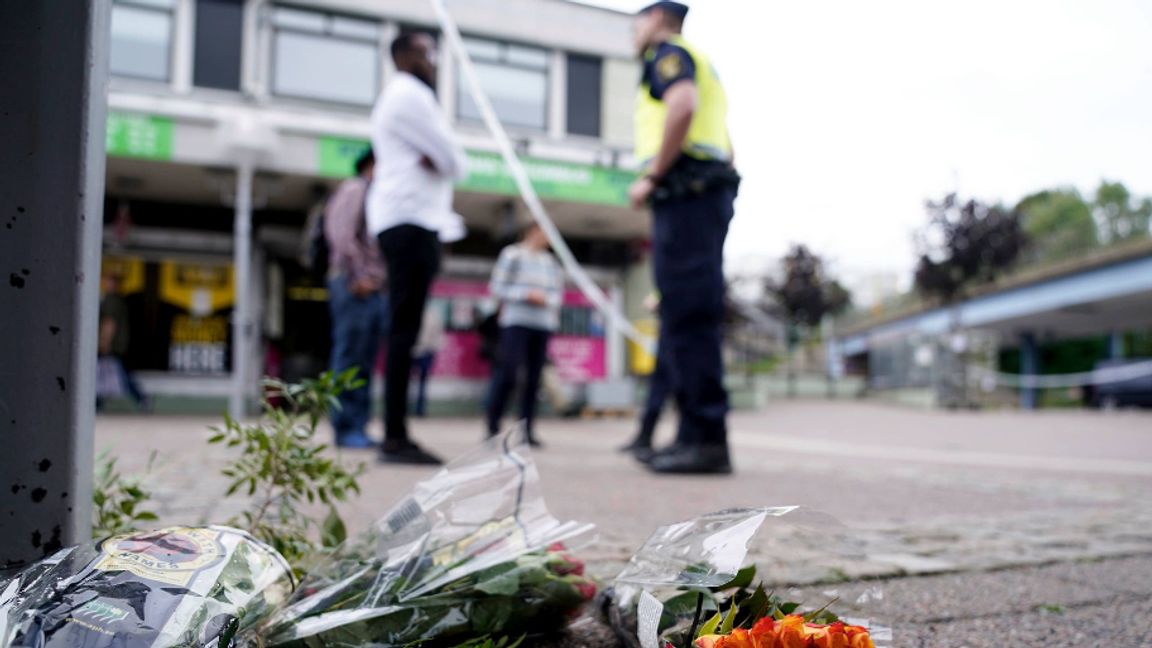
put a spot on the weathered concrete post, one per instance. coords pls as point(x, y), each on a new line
point(53, 67)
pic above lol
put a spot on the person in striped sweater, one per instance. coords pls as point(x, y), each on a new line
point(529, 285)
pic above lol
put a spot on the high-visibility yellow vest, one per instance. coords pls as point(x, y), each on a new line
point(708, 136)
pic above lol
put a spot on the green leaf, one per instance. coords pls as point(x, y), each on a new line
point(741, 580)
point(822, 614)
point(757, 606)
point(506, 584)
point(729, 621)
point(683, 606)
point(710, 626)
point(333, 531)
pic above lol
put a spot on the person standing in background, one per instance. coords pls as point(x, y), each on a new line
point(356, 301)
point(529, 284)
point(114, 339)
point(410, 214)
point(424, 355)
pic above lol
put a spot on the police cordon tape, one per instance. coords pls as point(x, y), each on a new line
point(1102, 376)
point(579, 277)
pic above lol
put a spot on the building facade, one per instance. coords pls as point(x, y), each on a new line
point(229, 121)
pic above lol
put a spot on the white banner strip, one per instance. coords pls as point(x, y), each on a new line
point(527, 191)
point(1104, 376)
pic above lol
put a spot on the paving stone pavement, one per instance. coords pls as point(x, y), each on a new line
point(996, 529)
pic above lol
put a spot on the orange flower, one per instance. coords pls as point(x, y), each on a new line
point(858, 637)
point(830, 636)
point(791, 632)
point(764, 633)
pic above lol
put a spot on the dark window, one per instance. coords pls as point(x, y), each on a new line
point(219, 38)
point(584, 87)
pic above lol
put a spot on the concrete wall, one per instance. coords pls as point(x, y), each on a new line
point(565, 25)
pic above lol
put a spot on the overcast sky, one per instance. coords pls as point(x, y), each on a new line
point(847, 115)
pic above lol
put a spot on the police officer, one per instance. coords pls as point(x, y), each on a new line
point(688, 180)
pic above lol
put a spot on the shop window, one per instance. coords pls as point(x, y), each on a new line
point(142, 39)
point(325, 57)
point(219, 44)
point(584, 100)
point(514, 77)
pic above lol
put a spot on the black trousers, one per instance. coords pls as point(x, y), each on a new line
point(521, 348)
point(659, 389)
point(688, 236)
point(412, 255)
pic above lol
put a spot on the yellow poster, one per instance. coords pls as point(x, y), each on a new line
point(199, 334)
point(130, 271)
point(198, 289)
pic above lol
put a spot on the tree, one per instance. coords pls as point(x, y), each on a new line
point(1058, 224)
point(966, 243)
point(1118, 215)
point(806, 296)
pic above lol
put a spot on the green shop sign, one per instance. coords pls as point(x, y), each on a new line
point(582, 183)
point(487, 173)
point(337, 156)
point(139, 136)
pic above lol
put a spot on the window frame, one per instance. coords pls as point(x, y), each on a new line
point(275, 30)
point(142, 5)
point(503, 44)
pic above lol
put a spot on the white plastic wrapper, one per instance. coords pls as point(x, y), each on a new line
point(687, 572)
point(471, 551)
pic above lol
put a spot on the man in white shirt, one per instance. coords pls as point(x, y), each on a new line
point(410, 214)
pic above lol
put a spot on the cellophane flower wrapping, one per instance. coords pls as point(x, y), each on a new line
point(470, 552)
point(178, 587)
point(800, 556)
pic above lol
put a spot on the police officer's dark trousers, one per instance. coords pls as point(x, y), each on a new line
point(688, 236)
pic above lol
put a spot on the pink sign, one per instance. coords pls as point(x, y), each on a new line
point(579, 356)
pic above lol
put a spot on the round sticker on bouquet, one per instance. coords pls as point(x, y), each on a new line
point(172, 556)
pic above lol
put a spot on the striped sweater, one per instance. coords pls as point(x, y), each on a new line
point(519, 271)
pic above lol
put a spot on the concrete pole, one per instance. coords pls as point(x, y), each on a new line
point(1029, 366)
point(53, 71)
point(242, 325)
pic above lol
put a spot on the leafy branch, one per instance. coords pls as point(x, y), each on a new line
point(118, 500)
point(285, 470)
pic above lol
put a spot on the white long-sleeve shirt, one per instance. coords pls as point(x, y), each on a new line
point(408, 125)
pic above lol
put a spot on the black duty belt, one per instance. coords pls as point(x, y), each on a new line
point(689, 178)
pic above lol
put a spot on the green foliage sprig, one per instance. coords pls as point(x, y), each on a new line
point(118, 501)
point(285, 470)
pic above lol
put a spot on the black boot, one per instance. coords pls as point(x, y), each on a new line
point(692, 460)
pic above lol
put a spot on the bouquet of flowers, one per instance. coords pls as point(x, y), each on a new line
point(470, 553)
point(687, 587)
point(790, 632)
point(175, 588)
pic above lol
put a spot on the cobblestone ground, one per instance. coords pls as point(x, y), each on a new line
point(983, 529)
